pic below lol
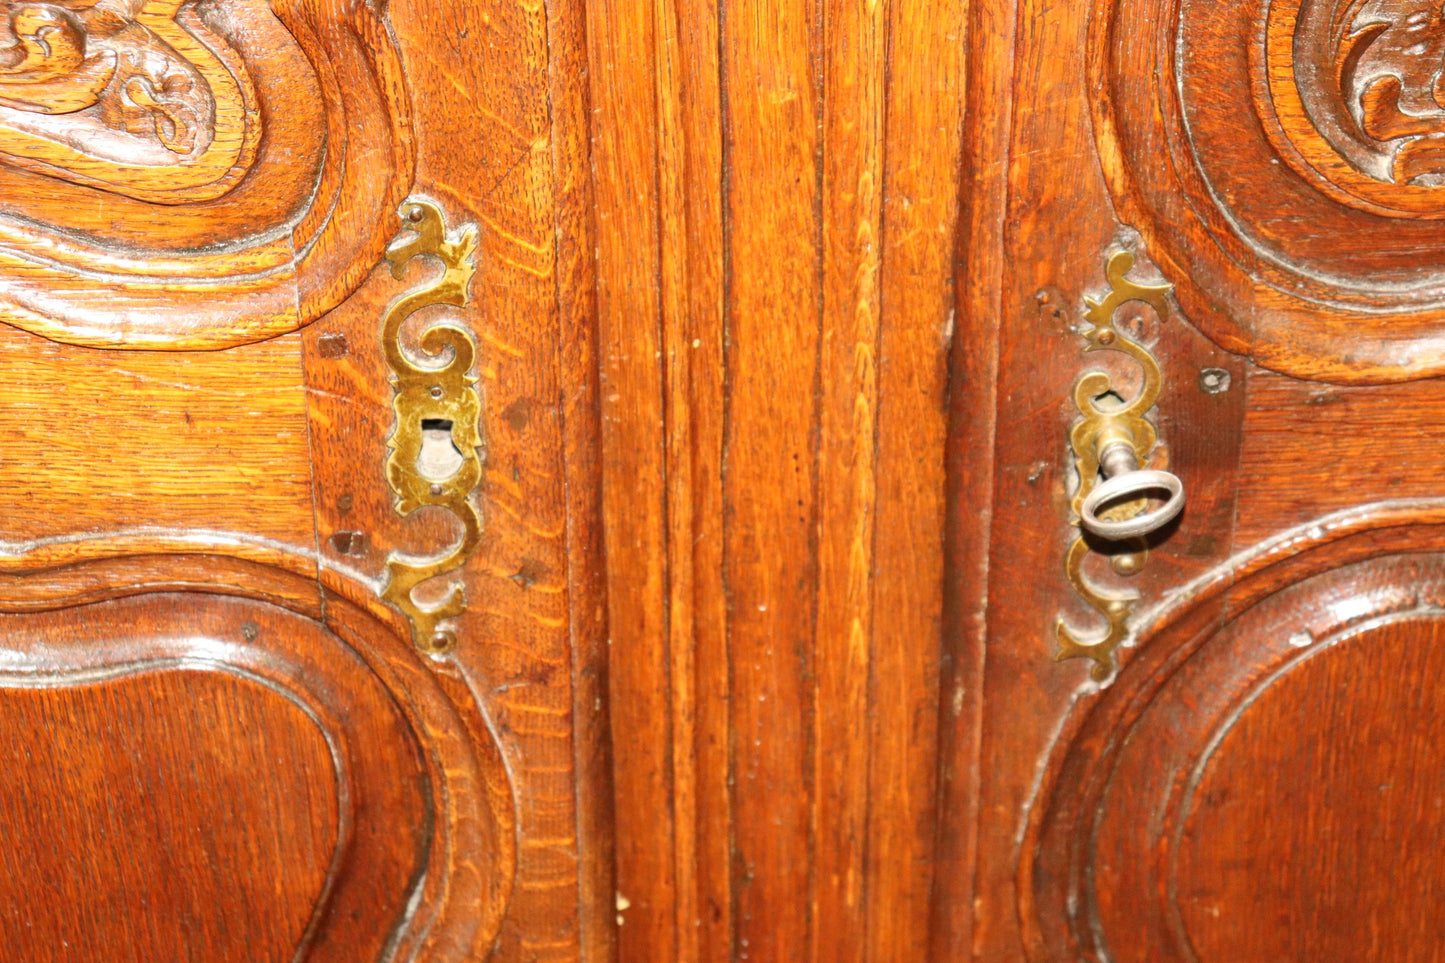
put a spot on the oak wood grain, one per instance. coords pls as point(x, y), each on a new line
point(972, 435)
point(1170, 813)
point(775, 321)
point(125, 781)
point(629, 290)
point(150, 727)
point(927, 55)
point(772, 319)
point(186, 439)
point(690, 172)
point(256, 471)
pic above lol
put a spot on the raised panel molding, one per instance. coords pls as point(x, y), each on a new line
point(1354, 101)
point(147, 780)
point(1117, 861)
point(144, 99)
point(1223, 128)
point(425, 862)
point(235, 172)
point(180, 174)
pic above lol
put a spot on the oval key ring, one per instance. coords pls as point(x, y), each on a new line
point(1127, 486)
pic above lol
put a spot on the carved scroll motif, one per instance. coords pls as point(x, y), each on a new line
point(72, 55)
point(1383, 107)
point(221, 170)
point(1356, 93)
point(142, 96)
point(1390, 65)
point(1283, 161)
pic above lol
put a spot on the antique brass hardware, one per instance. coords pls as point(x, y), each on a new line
point(1110, 442)
point(433, 395)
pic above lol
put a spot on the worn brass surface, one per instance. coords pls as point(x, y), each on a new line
point(437, 392)
point(1100, 429)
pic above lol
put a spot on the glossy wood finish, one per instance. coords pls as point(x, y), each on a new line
point(776, 200)
point(1231, 793)
point(1279, 115)
point(213, 526)
point(1355, 595)
point(778, 306)
point(340, 668)
point(141, 726)
point(277, 879)
point(194, 166)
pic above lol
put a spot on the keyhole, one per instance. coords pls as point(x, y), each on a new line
point(440, 457)
point(1109, 400)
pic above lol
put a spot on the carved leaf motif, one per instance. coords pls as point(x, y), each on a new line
point(46, 67)
point(110, 68)
point(1389, 58)
point(1284, 161)
point(225, 168)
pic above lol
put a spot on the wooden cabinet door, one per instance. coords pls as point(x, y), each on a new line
point(299, 607)
point(1224, 743)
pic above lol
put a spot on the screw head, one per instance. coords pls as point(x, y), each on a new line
point(1214, 381)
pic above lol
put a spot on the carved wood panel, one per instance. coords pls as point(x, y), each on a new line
point(1284, 162)
point(1260, 781)
point(191, 175)
point(1300, 733)
point(182, 174)
point(390, 787)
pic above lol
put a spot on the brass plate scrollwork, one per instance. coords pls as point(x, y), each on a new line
point(434, 393)
point(1102, 426)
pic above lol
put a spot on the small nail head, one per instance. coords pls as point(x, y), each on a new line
point(441, 643)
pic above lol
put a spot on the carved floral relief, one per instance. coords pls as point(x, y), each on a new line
point(1368, 74)
point(140, 96)
point(1389, 58)
point(70, 56)
point(182, 173)
point(1284, 160)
